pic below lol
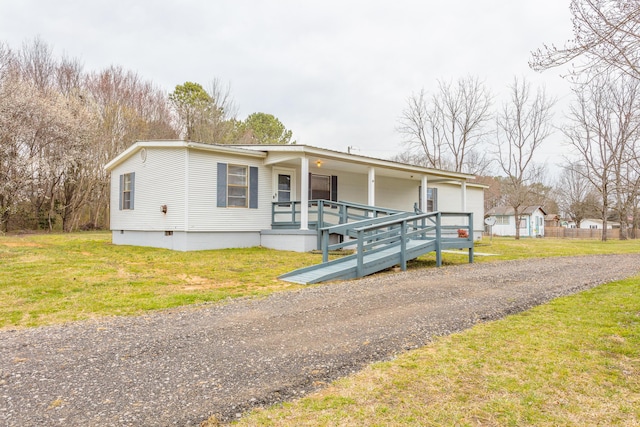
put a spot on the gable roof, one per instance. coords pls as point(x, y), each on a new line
point(139, 145)
point(508, 210)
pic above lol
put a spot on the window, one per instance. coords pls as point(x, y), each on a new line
point(127, 187)
point(523, 222)
point(237, 186)
point(284, 187)
point(320, 187)
point(432, 198)
point(502, 220)
point(237, 189)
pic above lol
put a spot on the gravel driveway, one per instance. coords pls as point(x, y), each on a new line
point(178, 367)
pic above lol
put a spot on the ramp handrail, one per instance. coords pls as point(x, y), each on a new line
point(394, 230)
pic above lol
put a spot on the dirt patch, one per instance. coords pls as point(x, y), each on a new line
point(197, 283)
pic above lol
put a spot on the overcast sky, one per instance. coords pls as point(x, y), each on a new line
point(337, 73)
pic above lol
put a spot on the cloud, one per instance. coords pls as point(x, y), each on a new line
point(336, 73)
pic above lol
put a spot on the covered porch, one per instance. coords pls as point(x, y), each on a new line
point(302, 174)
point(359, 187)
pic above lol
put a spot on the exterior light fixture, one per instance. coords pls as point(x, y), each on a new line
point(318, 163)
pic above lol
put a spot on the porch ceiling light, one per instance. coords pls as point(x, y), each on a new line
point(318, 163)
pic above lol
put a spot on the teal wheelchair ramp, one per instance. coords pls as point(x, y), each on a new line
point(382, 243)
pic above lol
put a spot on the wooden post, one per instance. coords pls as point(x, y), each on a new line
point(360, 265)
point(304, 187)
point(403, 246)
point(471, 237)
point(325, 246)
point(438, 239)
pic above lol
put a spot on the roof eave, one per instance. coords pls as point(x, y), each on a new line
point(358, 159)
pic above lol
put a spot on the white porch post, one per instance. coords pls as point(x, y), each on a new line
point(371, 187)
point(304, 196)
point(463, 188)
point(423, 193)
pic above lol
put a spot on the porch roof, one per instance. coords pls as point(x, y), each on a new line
point(290, 155)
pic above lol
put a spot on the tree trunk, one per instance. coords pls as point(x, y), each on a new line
point(605, 207)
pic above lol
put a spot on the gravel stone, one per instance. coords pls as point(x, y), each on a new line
point(179, 367)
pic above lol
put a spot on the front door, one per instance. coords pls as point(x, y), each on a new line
point(284, 185)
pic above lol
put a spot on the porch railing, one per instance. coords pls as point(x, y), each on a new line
point(371, 234)
point(324, 213)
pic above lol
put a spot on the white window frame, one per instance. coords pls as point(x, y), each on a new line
point(127, 191)
point(502, 219)
point(232, 187)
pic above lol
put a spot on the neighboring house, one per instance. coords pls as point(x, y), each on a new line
point(190, 196)
point(552, 220)
point(531, 221)
point(596, 224)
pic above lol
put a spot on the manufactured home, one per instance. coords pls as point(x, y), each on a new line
point(191, 196)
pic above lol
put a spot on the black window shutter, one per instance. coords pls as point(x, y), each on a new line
point(435, 199)
point(334, 188)
point(310, 195)
point(121, 189)
point(253, 187)
point(222, 185)
point(133, 190)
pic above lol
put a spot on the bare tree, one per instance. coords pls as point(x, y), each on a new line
point(522, 126)
point(411, 158)
point(126, 109)
point(604, 130)
point(12, 160)
point(606, 36)
point(577, 197)
point(37, 63)
point(419, 127)
point(479, 162)
point(448, 125)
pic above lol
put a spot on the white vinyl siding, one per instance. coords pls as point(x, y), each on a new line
point(351, 187)
point(162, 165)
point(396, 193)
point(204, 213)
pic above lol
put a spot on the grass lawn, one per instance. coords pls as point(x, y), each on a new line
point(53, 278)
point(506, 248)
point(572, 362)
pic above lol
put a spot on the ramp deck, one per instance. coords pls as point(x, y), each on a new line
point(384, 242)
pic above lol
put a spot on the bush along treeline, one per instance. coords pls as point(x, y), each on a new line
point(59, 126)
